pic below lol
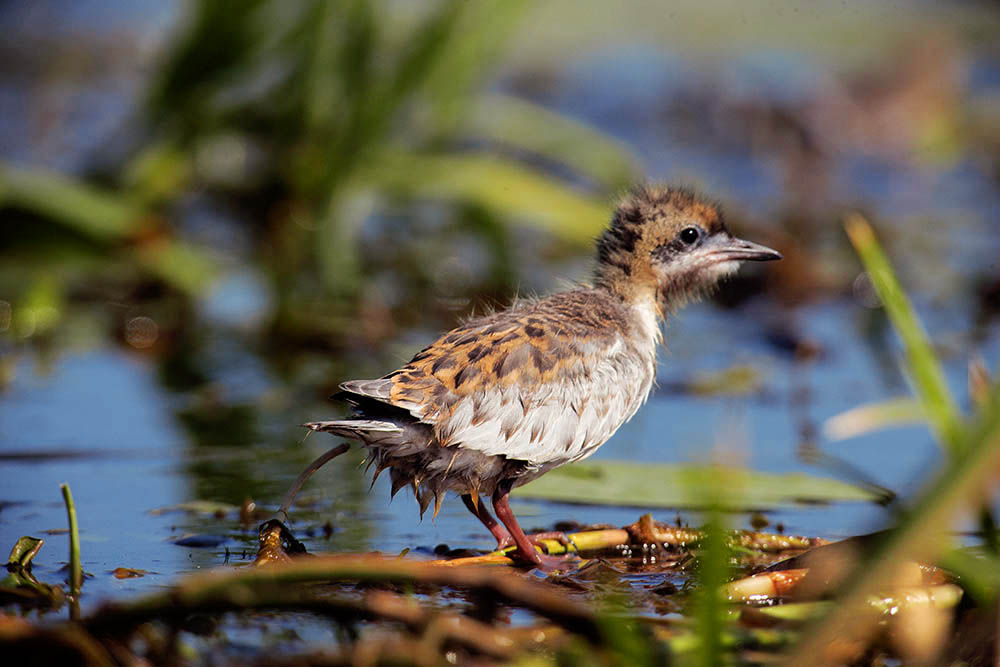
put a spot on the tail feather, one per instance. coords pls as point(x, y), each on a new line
point(380, 390)
point(356, 429)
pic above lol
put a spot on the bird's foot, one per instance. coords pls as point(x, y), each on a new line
point(537, 539)
point(547, 563)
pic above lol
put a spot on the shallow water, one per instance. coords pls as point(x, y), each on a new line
point(130, 440)
point(100, 421)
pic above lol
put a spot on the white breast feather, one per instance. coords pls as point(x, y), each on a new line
point(552, 432)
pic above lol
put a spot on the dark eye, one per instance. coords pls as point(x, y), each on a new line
point(689, 235)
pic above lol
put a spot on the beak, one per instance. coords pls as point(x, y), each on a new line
point(733, 249)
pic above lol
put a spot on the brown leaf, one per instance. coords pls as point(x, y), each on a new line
point(129, 573)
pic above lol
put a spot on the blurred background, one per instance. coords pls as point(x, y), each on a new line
point(213, 212)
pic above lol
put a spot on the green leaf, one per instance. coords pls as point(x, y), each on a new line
point(476, 44)
point(978, 572)
point(922, 364)
point(713, 572)
point(795, 611)
point(873, 417)
point(585, 149)
point(507, 188)
point(921, 534)
point(677, 486)
point(24, 550)
point(97, 214)
point(183, 266)
point(20, 585)
point(41, 307)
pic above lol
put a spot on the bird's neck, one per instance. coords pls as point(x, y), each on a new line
point(648, 317)
point(633, 283)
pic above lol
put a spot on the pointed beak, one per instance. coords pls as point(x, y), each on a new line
point(733, 249)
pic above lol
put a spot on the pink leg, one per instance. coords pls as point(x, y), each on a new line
point(484, 515)
point(525, 548)
point(503, 538)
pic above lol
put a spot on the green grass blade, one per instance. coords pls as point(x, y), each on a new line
point(979, 573)
point(91, 212)
point(713, 573)
point(75, 569)
point(922, 364)
point(674, 486)
point(870, 417)
point(586, 150)
point(508, 189)
point(182, 265)
point(921, 535)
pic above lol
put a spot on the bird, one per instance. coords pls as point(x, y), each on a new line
point(506, 397)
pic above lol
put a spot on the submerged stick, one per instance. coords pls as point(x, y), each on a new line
point(306, 474)
point(220, 590)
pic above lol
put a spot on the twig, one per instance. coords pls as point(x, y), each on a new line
point(648, 531)
point(764, 586)
point(584, 541)
point(225, 590)
point(306, 474)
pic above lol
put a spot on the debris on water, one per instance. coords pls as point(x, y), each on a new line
point(129, 573)
point(205, 507)
point(737, 380)
point(665, 588)
point(20, 586)
point(251, 513)
point(788, 341)
point(200, 541)
point(202, 625)
point(276, 543)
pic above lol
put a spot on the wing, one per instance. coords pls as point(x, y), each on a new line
point(552, 416)
point(546, 382)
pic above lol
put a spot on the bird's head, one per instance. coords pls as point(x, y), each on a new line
point(668, 245)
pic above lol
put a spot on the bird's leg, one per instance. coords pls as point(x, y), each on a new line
point(503, 538)
point(483, 514)
point(525, 547)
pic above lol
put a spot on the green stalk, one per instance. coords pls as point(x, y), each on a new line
point(921, 535)
point(712, 576)
point(75, 570)
point(923, 366)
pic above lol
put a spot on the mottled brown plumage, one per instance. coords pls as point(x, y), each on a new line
point(504, 398)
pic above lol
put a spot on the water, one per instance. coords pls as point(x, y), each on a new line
point(133, 433)
point(100, 421)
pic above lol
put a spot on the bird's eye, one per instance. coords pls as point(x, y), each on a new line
point(689, 235)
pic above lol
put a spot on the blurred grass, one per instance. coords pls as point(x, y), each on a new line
point(304, 119)
point(509, 190)
point(874, 416)
point(721, 29)
point(515, 123)
point(716, 493)
point(923, 532)
point(100, 215)
point(922, 365)
point(665, 485)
